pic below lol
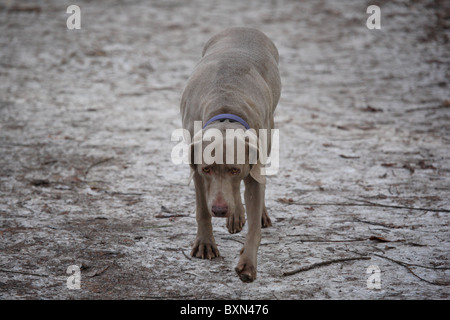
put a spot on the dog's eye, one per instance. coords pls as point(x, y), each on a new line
point(235, 171)
point(206, 170)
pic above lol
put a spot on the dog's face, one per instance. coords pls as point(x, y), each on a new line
point(222, 179)
point(222, 187)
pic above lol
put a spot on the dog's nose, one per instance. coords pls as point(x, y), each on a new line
point(220, 211)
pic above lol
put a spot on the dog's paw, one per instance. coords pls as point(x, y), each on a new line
point(205, 249)
point(246, 268)
point(235, 223)
point(246, 271)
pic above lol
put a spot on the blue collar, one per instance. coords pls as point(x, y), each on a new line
point(229, 117)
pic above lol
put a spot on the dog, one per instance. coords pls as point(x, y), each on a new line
point(235, 85)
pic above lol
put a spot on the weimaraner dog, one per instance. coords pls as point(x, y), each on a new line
point(236, 85)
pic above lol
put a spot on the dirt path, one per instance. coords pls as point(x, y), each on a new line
point(86, 177)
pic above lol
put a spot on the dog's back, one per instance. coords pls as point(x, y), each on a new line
point(248, 42)
point(237, 74)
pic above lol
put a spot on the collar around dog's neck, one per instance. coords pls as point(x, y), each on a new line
point(228, 116)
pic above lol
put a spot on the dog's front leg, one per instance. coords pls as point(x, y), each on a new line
point(236, 221)
point(204, 246)
point(254, 195)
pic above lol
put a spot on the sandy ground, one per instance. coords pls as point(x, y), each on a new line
point(86, 177)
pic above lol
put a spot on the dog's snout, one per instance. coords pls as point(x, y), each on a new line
point(220, 211)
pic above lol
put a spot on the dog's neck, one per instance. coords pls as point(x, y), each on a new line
point(227, 116)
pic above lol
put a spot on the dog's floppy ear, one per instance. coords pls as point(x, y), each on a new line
point(192, 165)
point(197, 139)
point(255, 173)
point(191, 175)
point(255, 169)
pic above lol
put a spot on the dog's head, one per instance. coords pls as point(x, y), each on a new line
point(221, 160)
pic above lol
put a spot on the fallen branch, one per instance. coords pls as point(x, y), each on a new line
point(321, 264)
point(100, 271)
point(116, 193)
point(348, 157)
point(18, 8)
point(168, 216)
point(184, 254)
point(373, 204)
point(365, 204)
point(390, 226)
point(324, 240)
point(443, 105)
point(25, 273)
point(233, 239)
point(407, 266)
point(86, 172)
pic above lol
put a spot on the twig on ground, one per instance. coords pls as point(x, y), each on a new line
point(321, 264)
point(386, 225)
point(184, 254)
point(168, 216)
point(399, 207)
point(25, 273)
point(86, 172)
point(100, 271)
point(366, 204)
point(116, 193)
point(407, 266)
point(233, 239)
point(324, 240)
